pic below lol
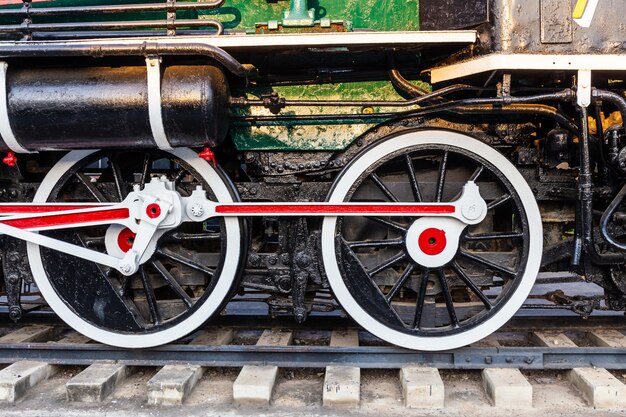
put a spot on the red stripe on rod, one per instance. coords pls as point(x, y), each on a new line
point(68, 219)
point(270, 209)
point(40, 208)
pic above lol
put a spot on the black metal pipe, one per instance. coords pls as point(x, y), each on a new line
point(585, 200)
point(524, 109)
point(118, 25)
point(402, 83)
point(606, 217)
point(614, 98)
point(485, 105)
point(405, 85)
point(88, 34)
point(118, 8)
point(147, 48)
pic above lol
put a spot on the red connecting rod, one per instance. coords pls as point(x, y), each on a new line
point(31, 216)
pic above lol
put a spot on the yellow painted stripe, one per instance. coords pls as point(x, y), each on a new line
point(579, 10)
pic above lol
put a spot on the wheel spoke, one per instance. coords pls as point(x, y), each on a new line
point(441, 178)
point(191, 264)
point(499, 202)
point(171, 281)
point(362, 286)
point(421, 299)
point(180, 236)
point(412, 179)
point(145, 169)
point(376, 243)
point(91, 242)
point(125, 285)
point(179, 176)
point(389, 223)
point(447, 296)
point(471, 285)
point(117, 177)
point(482, 261)
point(153, 307)
point(493, 236)
point(91, 187)
point(113, 291)
point(403, 279)
point(385, 190)
point(387, 264)
point(477, 173)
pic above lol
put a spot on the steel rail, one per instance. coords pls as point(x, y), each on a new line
point(370, 357)
point(518, 323)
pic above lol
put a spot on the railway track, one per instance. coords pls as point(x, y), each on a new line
point(59, 346)
point(256, 362)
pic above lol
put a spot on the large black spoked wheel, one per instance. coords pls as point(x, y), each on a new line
point(421, 301)
point(189, 276)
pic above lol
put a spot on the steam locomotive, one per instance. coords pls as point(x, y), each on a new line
point(417, 164)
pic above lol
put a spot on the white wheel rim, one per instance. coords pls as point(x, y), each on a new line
point(188, 325)
point(507, 309)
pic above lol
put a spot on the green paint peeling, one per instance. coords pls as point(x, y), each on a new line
point(392, 15)
point(320, 136)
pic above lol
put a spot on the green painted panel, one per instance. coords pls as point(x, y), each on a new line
point(243, 14)
point(364, 14)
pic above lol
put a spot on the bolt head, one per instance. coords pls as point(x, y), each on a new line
point(197, 210)
point(471, 211)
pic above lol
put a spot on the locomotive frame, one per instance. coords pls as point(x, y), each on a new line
point(348, 195)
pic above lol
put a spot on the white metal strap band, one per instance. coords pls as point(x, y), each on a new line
point(153, 66)
point(583, 92)
point(5, 126)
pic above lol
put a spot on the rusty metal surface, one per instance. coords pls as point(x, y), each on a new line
point(518, 26)
point(556, 21)
point(452, 14)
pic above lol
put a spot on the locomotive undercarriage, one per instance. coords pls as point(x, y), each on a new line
point(283, 265)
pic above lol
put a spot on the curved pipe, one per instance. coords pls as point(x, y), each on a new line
point(526, 109)
point(614, 98)
point(148, 48)
point(606, 217)
point(405, 85)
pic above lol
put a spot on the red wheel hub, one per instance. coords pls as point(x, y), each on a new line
point(153, 210)
point(126, 239)
point(432, 241)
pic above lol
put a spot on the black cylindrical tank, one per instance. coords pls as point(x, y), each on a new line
point(104, 107)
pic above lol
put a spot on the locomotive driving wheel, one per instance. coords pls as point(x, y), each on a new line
point(430, 283)
point(187, 276)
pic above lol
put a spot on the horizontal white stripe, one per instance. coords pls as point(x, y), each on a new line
point(599, 62)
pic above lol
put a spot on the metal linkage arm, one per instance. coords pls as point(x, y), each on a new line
point(150, 212)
